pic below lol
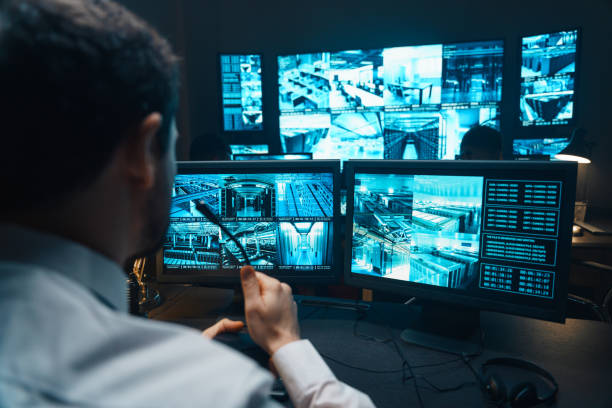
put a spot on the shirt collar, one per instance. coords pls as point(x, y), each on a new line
point(102, 276)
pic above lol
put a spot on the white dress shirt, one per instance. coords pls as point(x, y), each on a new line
point(66, 340)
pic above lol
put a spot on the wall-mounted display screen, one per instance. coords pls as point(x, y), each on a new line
point(249, 149)
point(241, 92)
point(393, 103)
point(548, 74)
point(548, 147)
point(281, 156)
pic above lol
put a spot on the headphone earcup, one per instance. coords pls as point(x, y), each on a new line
point(495, 388)
point(523, 395)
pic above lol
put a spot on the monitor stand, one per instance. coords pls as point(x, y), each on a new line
point(446, 328)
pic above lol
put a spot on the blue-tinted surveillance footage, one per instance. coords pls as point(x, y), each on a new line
point(282, 220)
point(413, 75)
point(249, 149)
point(547, 78)
point(393, 103)
point(282, 156)
point(418, 228)
point(356, 79)
point(472, 72)
point(431, 135)
point(548, 147)
point(241, 92)
point(357, 135)
point(304, 82)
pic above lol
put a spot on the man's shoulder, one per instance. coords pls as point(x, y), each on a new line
point(57, 337)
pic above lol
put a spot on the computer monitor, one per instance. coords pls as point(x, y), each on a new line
point(548, 147)
point(284, 214)
point(241, 94)
point(412, 102)
point(248, 149)
point(475, 235)
point(281, 156)
point(548, 77)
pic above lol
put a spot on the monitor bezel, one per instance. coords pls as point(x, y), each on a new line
point(239, 133)
point(231, 277)
point(528, 129)
point(566, 171)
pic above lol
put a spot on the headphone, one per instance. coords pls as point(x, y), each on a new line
point(522, 395)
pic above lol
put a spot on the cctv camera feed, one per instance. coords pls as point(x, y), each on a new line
point(282, 220)
point(418, 228)
point(395, 103)
point(548, 73)
point(249, 149)
point(546, 147)
point(241, 92)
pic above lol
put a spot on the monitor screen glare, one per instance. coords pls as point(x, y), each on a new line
point(392, 103)
point(241, 92)
point(548, 74)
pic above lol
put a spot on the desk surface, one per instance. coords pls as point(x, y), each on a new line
point(588, 240)
point(578, 353)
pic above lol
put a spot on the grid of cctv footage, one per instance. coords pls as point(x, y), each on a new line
point(241, 92)
point(283, 221)
point(395, 103)
point(426, 229)
point(547, 78)
point(418, 228)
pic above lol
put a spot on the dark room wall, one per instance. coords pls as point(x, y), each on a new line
point(207, 28)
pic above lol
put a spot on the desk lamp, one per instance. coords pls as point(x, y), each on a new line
point(578, 150)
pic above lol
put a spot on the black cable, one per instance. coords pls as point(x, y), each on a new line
point(407, 364)
point(446, 389)
point(203, 208)
point(367, 370)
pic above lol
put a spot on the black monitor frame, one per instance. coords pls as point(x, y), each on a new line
point(231, 277)
point(565, 171)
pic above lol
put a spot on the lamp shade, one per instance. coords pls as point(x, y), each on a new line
point(577, 150)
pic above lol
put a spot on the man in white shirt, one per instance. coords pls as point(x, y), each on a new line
point(89, 97)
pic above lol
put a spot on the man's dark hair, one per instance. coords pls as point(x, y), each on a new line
point(481, 143)
point(76, 76)
point(209, 146)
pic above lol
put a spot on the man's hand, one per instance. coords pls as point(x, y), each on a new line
point(271, 312)
point(223, 326)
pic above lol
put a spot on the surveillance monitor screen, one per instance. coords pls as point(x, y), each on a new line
point(486, 236)
point(548, 74)
point(249, 149)
point(241, 92)
point(282, 156)
point(394, 103)
point(547, 147)
point(283, 219)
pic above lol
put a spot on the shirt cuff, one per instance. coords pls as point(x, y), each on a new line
point(301, 367)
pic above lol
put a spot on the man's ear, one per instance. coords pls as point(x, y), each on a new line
point(142, 152)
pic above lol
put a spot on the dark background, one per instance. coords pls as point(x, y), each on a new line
point(200, 30)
